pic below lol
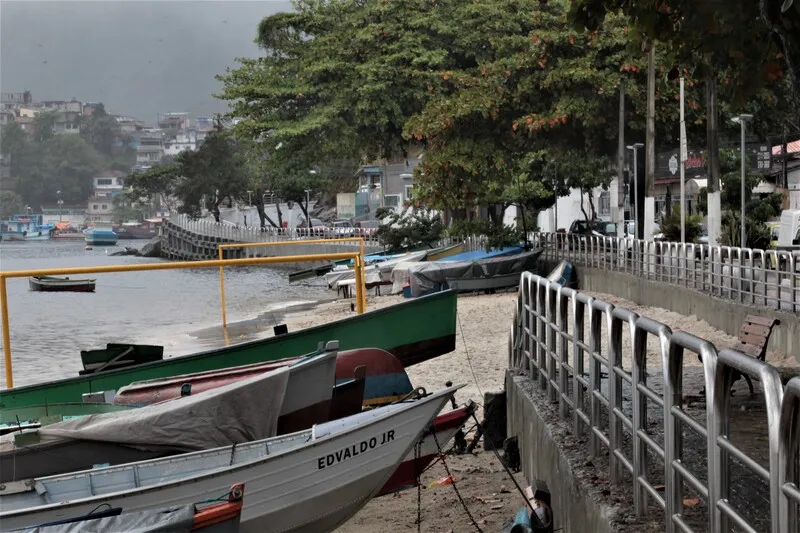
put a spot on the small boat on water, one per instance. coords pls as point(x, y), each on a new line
point(205, 517)
point(283, 401)
point(58, 284)
point(25, 228)
point(413, 331)
point(310, 481)
point(100, 236)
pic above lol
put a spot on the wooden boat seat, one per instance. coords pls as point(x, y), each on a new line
point(118, 356)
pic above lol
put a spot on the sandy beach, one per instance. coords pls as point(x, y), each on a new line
point(479, 362)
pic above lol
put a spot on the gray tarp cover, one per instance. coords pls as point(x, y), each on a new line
point(171, 520)
point(427, 276)
point(239, 412)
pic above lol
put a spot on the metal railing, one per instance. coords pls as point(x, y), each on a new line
point(766, 278)
point(637, 417)
point(236, 233)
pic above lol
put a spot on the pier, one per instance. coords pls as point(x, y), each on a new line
point(633, 425)
point(185, 239)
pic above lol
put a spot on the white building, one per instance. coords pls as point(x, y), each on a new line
point(182, 142)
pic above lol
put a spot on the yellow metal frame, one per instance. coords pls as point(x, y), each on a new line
point(355, 256)
point(361, 287)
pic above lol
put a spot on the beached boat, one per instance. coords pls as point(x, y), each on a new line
point(413, 331)
point(99, 236)
point(385, 379)
point(474, 271)
point(382, 268)
point(58, 284)
point(438, 434)
point(118, 356)
point(15, 420)
point(204, 517)
point(311, 481)
point(275, 403)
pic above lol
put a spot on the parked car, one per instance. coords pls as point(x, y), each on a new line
point(368, 228)
point(342, 228)
point(317, 229)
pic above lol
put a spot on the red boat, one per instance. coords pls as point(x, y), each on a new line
point(444, 427)
point(385, 380)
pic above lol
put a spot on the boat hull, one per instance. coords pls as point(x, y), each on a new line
point(413, 331)
point(61, 285)
point(385, 380)
point(312, 487)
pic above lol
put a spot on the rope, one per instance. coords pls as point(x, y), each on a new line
point(224, 498)
point(466, 350)
point(417, 447)
point(458, 494)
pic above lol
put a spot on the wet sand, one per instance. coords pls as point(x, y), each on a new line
point(479, 361)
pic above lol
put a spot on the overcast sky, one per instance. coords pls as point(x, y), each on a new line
point(138, 57)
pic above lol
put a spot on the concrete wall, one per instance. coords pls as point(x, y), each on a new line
point(546, 454)
point(722, 314)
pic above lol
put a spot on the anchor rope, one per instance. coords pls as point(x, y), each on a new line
point(458, 494)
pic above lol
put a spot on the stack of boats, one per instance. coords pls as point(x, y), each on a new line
point(419, 272)
point(312, 436)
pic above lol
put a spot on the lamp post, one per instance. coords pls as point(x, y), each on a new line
point(741, 119)
point(60, 203)
point(635, 149)
point(308, 214)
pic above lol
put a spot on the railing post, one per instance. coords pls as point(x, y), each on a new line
point(6, 334)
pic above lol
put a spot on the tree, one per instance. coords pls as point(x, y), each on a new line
point(10, 203)
point(215, 172)
point(159, 181)
point(43, 124)
point(101, 131)
point(70, 164)
point(409, 228)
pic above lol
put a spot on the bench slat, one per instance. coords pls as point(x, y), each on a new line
point(749, 349)
point(755, 340)
point(762, 331)
point(761, 321)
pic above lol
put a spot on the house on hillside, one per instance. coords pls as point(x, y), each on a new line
point(382, 184)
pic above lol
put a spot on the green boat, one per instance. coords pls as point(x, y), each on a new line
point(413, 331)
point(49, 413)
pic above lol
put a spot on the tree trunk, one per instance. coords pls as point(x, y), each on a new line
point(592, 210)
point(712, 161)
point(278, 209)
point(650, 145)
point(583, 209)
point(216, 212)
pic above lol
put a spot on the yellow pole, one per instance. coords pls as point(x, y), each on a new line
point(363, 276)
point(222, 296)
point(358, 275)
point(6, 333)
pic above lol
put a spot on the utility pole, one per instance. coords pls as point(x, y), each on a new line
point(683, 158)
point(741, 119)
point(712, 161)
point(650, 146)
point(635, 148)
point(620, 218)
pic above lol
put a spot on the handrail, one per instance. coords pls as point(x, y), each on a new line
point(553, 352)
point(361, 289)
point(137, 268)
point(764, 278)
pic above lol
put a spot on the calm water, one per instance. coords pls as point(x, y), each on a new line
point(179, 309)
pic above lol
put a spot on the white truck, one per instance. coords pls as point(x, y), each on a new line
point(789, 231)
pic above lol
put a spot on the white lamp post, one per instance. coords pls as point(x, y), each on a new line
point(741, 119)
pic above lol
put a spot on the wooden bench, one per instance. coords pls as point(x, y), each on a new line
point(753, 339)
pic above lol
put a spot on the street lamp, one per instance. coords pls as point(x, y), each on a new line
point(635, 149)
point(308, 200)
point(60, 203)
point(741, 119)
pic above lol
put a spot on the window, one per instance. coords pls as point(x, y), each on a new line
point(104, 207)
point(392, 200)
point(409, 192)
point(104, 181)
point(94, 207)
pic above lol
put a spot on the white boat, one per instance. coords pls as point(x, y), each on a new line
point(311, 481)
point(383, 269)
point(282, 401)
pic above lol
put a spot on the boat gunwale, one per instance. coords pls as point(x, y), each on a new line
point(436, 396)
point(214, 352)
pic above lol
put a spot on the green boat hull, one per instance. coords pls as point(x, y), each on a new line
point(413, 331)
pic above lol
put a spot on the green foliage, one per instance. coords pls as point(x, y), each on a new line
point(498, 235)
point(43, 124)
point(128, 207)
point(409, 229)
point(158, 181)
point(671, 226)
point(10, 203)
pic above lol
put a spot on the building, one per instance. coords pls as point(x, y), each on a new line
point(150, 149)
point(388, 184)
point(173, 123)
point(100, 205)
point(182, 142)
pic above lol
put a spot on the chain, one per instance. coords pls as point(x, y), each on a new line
point(458, 494)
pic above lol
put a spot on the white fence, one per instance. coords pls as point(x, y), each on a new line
point(612, 407)
point(767, 278)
